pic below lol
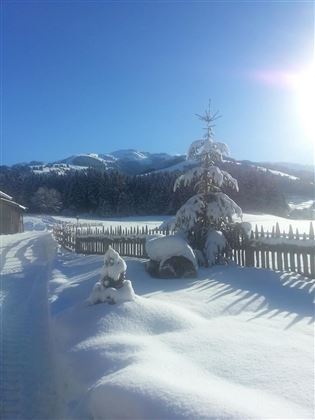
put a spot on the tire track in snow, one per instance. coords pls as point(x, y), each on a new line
point(27, 382)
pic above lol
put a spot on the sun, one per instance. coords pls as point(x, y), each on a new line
point(303, 84)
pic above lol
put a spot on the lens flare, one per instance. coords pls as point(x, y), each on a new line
point(304, 87)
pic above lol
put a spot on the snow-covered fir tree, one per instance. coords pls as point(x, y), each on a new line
point(209, 211)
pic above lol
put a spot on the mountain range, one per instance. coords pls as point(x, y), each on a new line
point(134, 162)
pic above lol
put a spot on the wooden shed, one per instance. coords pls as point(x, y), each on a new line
point(11, 215)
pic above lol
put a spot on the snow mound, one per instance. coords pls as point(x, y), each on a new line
point(110, 294)
point(161, 249)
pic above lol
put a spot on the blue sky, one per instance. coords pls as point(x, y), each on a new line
point(80, 76)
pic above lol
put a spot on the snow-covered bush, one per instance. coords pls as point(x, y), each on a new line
point(171, 257)
point(100, 293)
point(112, 286)
point(209, 210)
point(161, 249)
point(168, 224)
point(114, 268)
point(215, 244)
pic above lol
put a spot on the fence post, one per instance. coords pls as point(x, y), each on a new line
point(311, 234)
point(249, 256)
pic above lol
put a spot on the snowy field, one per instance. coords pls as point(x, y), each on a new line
point(42, 222)
point(233, 343)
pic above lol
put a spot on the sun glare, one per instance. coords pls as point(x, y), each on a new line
point(304, 87)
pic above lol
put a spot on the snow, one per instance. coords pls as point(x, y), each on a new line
point(58, 168)
point(161, 249)
point(188, 214)
point(215, 244)
point(223, 207)
point(29, 383)
point(114, 266)
point(216, 176)
point(269, 221)
point(6, 196)
point(299, 203)
point(206, 146)
point(40, 222)
point(234, 343)
point(278, 173)
point(101, 294)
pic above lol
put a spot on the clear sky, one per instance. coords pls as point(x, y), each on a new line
point(97, 76)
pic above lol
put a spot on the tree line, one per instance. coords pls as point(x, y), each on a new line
point(116, 194)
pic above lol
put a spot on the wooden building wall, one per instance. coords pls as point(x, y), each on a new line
point(11, 218)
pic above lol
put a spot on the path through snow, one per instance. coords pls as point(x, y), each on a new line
point(27, 383)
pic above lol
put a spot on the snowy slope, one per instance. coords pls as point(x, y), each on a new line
point(128, 161)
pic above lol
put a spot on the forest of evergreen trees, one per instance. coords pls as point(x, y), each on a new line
point(116, 194)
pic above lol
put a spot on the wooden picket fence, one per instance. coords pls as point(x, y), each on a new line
point(291, 252)
point(129, 242)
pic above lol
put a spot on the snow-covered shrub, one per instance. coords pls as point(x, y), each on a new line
point(168, 224)
point(209, 209)
point(114, 268)
point(215, 245)
point(112, 286)
point(246, 228)
point(100, 293)
point(171, 257)
point(165, 247)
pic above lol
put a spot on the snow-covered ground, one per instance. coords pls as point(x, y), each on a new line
point(299, 203)
point(28, 385)
point(233, 343)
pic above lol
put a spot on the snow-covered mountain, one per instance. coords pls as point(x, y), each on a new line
point(133, 162)
point(128, 161)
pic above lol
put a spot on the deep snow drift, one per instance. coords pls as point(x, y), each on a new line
point(235, 343)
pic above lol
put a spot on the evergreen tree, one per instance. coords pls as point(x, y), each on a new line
point(46, 200)
point(209, 210)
